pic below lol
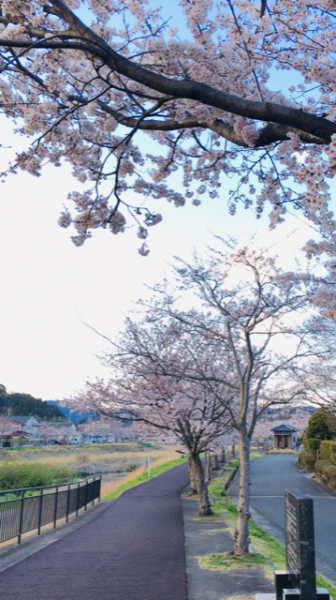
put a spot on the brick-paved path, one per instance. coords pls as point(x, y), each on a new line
point(134, 550)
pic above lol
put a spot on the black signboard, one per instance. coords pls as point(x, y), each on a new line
point(300, 545)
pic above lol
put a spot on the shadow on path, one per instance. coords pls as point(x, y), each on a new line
point(134, 550)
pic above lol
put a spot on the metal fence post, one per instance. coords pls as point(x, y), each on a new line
point(37, 505)
point(40, 513)
point(55, 509)
point(68, 504)
point(86, 494)
point(21, 517)
point(77, 503)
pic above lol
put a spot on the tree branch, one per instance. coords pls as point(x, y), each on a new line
point(270, 112)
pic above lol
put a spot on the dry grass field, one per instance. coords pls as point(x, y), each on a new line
point(117, 463)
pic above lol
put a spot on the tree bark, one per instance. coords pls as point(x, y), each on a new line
point(192, 477)
point(202, 489)
point(242, 531)
point(214, 462)
point(222, 456)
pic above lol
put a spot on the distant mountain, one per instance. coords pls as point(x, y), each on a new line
point(25, 405)
point(70, 414)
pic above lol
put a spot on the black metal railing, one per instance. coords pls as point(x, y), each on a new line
point(27, 513)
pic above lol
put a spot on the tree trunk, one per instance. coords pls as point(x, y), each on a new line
point(241, 536)
point(222, 457)
point(214, 462)
point(192, 477)
point(202, 490)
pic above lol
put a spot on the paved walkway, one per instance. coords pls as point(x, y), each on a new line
point(203, 538)
point(134, 550)
point(270, 476)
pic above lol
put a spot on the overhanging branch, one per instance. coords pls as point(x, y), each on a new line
point(319, 128)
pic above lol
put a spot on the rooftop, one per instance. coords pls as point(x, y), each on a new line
point(285, 428)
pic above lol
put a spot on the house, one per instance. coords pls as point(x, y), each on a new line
point(285, 436)
point(52, 432)
point(28, 424)
point(12, 433)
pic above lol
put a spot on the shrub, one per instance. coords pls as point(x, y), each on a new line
point(311, 445)
point(130, 467)
point(318, 425)
point(328, 451)
point(15, 475)
point(62, 474)
point(327, 472)
point(82, 474)
point(319, 465)
point(307, 460)
point(9, 496)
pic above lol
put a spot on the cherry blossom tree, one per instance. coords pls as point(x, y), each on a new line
point(251, 339)
point(8, 427)
point(113, 428)
point(91, 82)
point(58, 431)
point(144, 355)
point(263, 428)
point(319, 375)
point(244, 347)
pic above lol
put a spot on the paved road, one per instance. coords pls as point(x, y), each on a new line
point(270, 476)
point(134, 550)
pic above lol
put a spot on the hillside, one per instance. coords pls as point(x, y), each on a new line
point(24, 405)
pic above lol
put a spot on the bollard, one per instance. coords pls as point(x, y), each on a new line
point(207, 466)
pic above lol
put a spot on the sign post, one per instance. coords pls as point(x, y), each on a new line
point(298, 581)
point(300, 545)
point(148, 465)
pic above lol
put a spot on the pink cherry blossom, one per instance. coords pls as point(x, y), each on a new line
point(129, 104)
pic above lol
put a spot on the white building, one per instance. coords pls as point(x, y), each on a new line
point(28, 424)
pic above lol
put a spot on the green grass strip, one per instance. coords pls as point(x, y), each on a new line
point(277, 553)
point(144, 477)
point(260, 539)
point(228, 562)
point(254, 455)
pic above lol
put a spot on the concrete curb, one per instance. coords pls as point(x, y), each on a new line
point(320, 486)
point(231, 478)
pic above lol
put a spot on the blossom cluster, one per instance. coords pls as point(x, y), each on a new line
point(79, 106)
